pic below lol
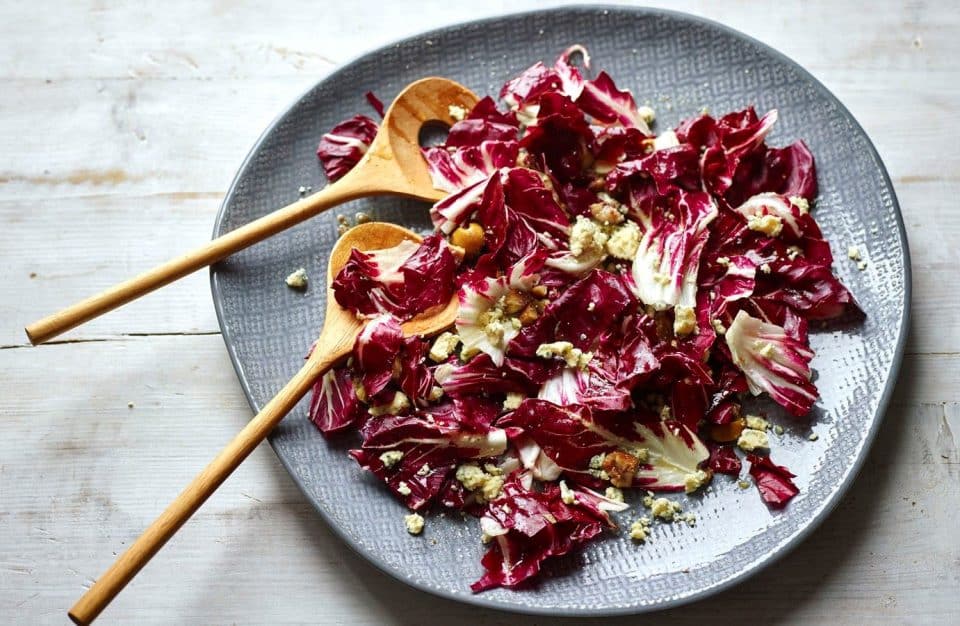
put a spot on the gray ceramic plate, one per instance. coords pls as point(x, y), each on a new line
point(680, 64)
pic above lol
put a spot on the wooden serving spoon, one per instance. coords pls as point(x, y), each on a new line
point(340, 330)
point(392, 165)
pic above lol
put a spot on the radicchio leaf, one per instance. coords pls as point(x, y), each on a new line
point(403, 281)
point(773, 362)
point(602, 100)
point(668, 259)
point(529, 527)
point(571, 435)
point(334, 406)
point(772, 480)
point(345, 145)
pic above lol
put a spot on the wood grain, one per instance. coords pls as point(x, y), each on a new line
point(122, 158)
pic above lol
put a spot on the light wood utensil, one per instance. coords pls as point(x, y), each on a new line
point(340, 329)
point(392, 165)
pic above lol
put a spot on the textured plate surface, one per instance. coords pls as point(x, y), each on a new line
point(678, 64)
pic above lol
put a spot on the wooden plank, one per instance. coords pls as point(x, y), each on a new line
point(105, 470)
point(218, 40)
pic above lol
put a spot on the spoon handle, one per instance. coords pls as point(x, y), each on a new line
point(105, 589)
point(348, 188)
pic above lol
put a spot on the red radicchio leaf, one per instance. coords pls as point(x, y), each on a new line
point(403, 281)
point(334, 406)
point(772, 480)
point(374, 101)
point(561, 138)
point(345, 145)
point(723, 460)
point(375, 352)
point(571, 316)
point(529, 527)
point(602, 100)
point(408, 474)
point(773, 362)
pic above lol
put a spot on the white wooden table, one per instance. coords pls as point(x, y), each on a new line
point(121, 127)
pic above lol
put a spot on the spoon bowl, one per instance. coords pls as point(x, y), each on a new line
point(340, 330)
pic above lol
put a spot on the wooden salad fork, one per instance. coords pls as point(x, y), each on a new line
point(340, 330)
point(393, 165)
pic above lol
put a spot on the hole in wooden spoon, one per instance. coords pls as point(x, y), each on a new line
point(432, 134)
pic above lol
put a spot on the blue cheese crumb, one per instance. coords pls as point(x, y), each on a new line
point(612, 493)
point(391, 458)
point(566, 493)
point(574, 357)
point(640, 529)
point(414, 523)
point(297, 279)
point(692, 482)
point(403, 489)
point(751, 440)
point(457, 112)
point(757, 423)
point(443, 346)
point(513, 400)
point(398, 405)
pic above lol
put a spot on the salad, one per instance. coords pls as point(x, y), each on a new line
point(622, 293)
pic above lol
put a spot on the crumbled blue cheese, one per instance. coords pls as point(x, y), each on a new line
point(793, 252)
point(718, 327)
point(297, 279)
point(513, 400)
point(862, 265)
point(403, 489)
point(813, 437)
point(640, 529)
point(391, 458)
point(587, 238)
point(647, 114)
point(751, 439)
point(689, 518)
point(624, 241)
point(443, 346)
point(574, 357)
point(487, 485)
point(764, 349)
point(566, 493)
point(692, 482)
point(399, 404)
point(778, 429)
point(757, 423)
point(414, 523)
point(662, 507)
point(743, 484)
point(596, 461)
point(666, 139)
point(424, 470)
point(457, 112)
point(769, 225)
point(853, 253)
point(495, 323)
point(801, 203)
point(612, 493)
point(684, 320)
point(435, 393)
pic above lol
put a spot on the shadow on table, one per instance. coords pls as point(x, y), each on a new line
point(777, 593)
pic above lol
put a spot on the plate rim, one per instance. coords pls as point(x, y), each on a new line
point(767, 560)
